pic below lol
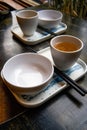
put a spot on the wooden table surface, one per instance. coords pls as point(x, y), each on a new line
point(67, 110)
point(13, 4)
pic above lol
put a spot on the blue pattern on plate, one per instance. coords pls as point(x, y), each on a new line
point(57, 28)
point(55, 80)
point(76, 67)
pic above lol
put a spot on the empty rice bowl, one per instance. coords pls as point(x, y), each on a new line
point(27, 73)
point(49, 18)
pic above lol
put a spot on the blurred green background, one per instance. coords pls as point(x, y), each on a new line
point(76, 8)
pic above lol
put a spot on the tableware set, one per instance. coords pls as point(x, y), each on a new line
point(39, 35)
point(30, 74)
point(55, 86)
point(29, 19)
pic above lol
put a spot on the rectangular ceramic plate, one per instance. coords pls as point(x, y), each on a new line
point(38, 36)
point(56, 85)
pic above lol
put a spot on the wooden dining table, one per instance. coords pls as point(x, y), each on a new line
point(67, 110)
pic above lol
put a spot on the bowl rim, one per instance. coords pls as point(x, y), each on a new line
point(24, 87)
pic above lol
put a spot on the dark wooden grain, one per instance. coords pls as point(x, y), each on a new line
point(66, 111)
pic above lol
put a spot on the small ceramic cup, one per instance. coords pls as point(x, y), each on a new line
point(28, 21)
point(65, 50)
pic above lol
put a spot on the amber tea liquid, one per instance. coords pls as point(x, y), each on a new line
point(67, 46)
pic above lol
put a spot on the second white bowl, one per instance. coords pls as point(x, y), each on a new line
point(49, 18)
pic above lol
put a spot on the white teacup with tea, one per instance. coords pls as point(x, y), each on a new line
point(65, 50)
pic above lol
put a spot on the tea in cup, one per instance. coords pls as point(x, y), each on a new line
point(27, 21)
point(65, 50)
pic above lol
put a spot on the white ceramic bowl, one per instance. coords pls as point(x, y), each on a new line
point(27, 73)
point(49, 18)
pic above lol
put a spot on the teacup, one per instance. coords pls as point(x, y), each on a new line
point(28, 21)
point(65, 50)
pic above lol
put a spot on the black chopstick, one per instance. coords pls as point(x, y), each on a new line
point(71, 82)
point(47, 30)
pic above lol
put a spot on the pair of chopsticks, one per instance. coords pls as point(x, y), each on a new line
point(64, 76)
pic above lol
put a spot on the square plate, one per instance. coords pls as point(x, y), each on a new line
point(38, 36)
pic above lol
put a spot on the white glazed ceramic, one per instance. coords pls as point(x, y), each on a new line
point(27, 73)
point(49, 18)
point(62, 59)
point(28, 21)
